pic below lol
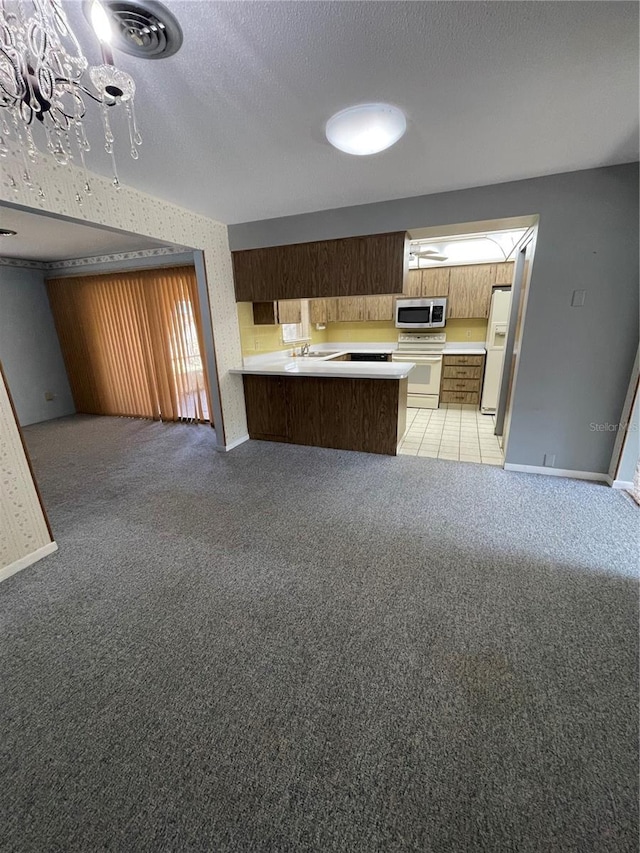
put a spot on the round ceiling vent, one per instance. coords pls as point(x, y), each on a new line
point(145, 29)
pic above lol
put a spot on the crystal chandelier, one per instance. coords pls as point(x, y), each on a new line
point(46, 86)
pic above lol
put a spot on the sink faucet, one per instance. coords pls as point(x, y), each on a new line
point(304, 350)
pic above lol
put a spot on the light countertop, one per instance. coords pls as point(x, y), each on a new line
point(328, 368)
point(471, 348)
point(283, 364)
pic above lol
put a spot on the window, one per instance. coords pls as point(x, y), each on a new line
point(293, 333)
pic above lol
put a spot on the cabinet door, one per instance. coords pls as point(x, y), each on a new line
point(266, 403)
point(318, 311)
point(413, 289)
point(469, 291)
point(435, 281)
point(350, 266)
point(378, 308)
point(264, 314)
point(350, 309)
point(289, 311)
point(503, 273)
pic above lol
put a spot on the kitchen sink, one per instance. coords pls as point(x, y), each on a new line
point(320, 354)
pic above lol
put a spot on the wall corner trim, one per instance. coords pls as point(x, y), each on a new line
point(558, 472)
point(227, 447)
point(29, 560)
point(620, 484)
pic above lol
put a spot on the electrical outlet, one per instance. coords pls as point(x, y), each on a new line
point(49, 396)
point(468, 334)
point(256, 343)
point(578, 298)
point(549, 460)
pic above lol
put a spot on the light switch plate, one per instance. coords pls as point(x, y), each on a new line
point(578, 298)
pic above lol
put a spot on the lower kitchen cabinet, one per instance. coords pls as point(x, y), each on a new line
point(462, 379)
point(266, 412)
point(346, 414)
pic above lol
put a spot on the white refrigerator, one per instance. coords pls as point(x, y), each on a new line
point(496, 338)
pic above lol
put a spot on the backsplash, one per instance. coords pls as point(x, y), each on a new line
point(383, 331)
point(256, 339)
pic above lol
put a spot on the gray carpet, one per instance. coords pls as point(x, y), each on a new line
point(293, 649)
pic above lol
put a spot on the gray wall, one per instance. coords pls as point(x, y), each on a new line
point(575, 362)
point(29, 347)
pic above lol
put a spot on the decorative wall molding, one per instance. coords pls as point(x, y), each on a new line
point(115, 258)
point(23, 264)
point(97, 259)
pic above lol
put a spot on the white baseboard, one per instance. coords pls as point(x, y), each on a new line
point(29, 560)
point(620, 484)
point(557, 472)
point(232, 444)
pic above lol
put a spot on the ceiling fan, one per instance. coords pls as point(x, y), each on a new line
point(429, 255)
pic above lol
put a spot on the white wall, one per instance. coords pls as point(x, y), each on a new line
point(29, 347)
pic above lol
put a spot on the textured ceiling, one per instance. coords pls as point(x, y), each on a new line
point(233, 123)
point(46, 238)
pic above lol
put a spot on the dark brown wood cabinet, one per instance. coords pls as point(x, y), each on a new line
point(352, 266)
point(346, 414)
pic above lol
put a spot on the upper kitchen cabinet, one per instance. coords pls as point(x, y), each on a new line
point(377, 308)
point(428, 282)
point(273, 313)
point(376, 264)
point(435, 281)
point(502, 273)
point(470, 291)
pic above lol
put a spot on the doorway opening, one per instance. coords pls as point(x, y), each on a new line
point(461, 390)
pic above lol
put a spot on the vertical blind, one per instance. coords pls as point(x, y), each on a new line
point(132, 343)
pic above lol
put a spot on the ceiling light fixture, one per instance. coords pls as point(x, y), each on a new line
point(7, 232)
point(47, 85)
point(366, 128)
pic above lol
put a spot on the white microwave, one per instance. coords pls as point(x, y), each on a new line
point(421, 313)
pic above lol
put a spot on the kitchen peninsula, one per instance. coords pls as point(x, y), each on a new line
point(325, 401)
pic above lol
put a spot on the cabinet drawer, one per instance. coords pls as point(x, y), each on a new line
point(461, 385)
point(460, 397)
point(475, 360)
point(462, 372)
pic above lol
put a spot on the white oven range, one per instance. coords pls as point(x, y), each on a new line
point(425, 349)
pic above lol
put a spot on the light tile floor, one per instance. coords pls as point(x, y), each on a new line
point(458, 432)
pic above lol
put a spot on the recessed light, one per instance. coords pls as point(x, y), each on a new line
point(366, 128)
point(7, 232)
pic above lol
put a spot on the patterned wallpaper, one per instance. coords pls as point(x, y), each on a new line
point(21, 521)
point(22, 526)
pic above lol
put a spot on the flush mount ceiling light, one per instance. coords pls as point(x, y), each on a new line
point(47, 85)
point(366, 128)
point(7, 232)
